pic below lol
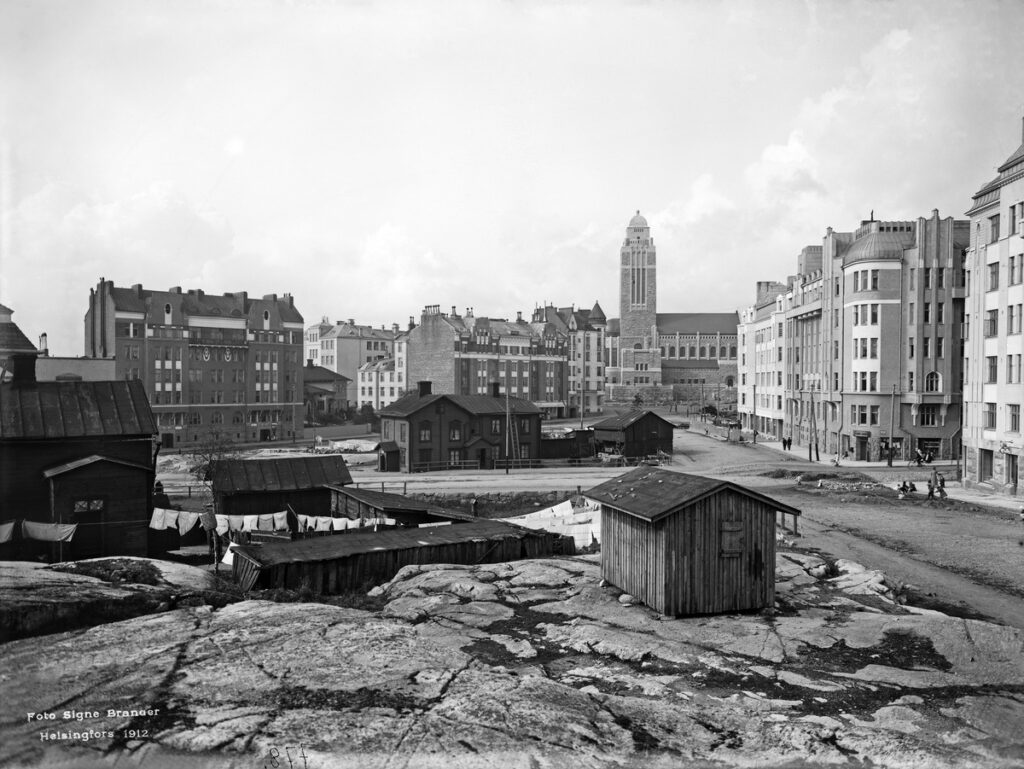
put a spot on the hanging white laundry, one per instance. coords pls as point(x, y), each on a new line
point(250, 522)
point(281, 521)
point(7, 531)
point(305, 522)
point(323, 523)
point(170, 519)
point(156, 521)
point(340, 524)
point(229, 557)
point(187, 522)
point(48, 532)
point(235, 522)
point(223, 525)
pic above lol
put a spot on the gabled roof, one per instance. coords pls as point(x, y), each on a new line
point(411, 404)
point(75, 410)
point(311, 374)
point(231, 476)
point(90, 460)
point(12, 339)
point(697, 322)
point(622, 421)
point(652, 493)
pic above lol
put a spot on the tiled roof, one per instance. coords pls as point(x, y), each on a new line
point(1013, 160)
point(200, 303)
point(697, 322)
point(75, 410)
point(652, 493)
point(231, 476)
point(623, 421)
point(13, 340)
point(597, 313)
point(312, 374)
point(474, 404)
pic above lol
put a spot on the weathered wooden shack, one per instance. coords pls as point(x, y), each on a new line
point(353, 561)
point(352, 502)
point(74, 453)
point(685, 544)
point(634, 435)
point(262, 486)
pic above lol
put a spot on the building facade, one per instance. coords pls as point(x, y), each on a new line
point(226, 365)
point(465, 354)
point(764, 361)
point(584, 331)
point(871, 342)
point(378, 384)
point(346, 345)
point(646, 348)
point(993, 388)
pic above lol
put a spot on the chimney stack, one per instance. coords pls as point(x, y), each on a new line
point(44, 347)
point(424, 388)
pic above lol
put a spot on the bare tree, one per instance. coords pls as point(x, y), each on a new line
point(215, 446)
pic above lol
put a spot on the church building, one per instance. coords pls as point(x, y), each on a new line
point(648, 348)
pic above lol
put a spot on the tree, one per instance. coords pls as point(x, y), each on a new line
point(213, 447)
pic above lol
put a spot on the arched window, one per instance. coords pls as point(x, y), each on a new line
point(933, 382)
point(713, 351)
point(721, 353)
point(638, 346)
point(703, 352)
point(693, 351)
point(671, 351)
point(732, 352)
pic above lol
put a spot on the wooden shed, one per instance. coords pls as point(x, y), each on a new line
point(634, 435)
point(262, 486)
point(355, 503)
point(350, 562)
point(686, 544)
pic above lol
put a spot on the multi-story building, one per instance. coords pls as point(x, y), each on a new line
point(346, 345)
point(465, 354)
point(229, 365)
point(993, 387)
point(378, 385)
point(648, 348)
point(584, 330)
point(871, 341)
point(761, 389)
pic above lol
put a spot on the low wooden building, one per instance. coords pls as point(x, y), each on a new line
point(634, 435)
point(74, 454)
point(356, 560)
point(367, 504)
point(263, 486)
point(685, 544)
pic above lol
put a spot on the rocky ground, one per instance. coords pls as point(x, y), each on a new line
point(526, 664)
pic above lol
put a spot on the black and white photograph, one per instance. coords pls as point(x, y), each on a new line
point(514, 384)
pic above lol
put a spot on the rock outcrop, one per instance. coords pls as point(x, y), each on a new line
point(525, 664)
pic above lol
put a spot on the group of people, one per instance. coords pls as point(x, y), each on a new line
point(936, 485)
point(787, 443)
point(923, 458)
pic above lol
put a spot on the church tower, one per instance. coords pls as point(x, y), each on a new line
point(637, 284)
point(639, 355)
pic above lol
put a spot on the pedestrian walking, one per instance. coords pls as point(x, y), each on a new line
point(942, 486)
point(931, 489)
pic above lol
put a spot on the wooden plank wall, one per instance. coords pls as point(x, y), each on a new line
point(357, 571)
point(699, 578)
point(630, 556)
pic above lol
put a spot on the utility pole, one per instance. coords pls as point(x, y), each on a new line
point(892, 419)
point(753, 415)
point(702, 415)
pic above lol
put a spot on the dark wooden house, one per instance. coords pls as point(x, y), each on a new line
point(264, 486)
point(451, 432)
point(685, 544)
point(75, 453)
point(353, 561)
point(634, 435)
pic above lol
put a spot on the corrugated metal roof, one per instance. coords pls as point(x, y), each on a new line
point(75, 410)
point(232, 476)
point(652, 493)
point(89, 460)
point(344, 545)
point(622, 421)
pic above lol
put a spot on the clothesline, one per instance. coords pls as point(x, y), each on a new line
point(39, 531)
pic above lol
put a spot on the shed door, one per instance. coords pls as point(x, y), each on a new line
point(731, 538)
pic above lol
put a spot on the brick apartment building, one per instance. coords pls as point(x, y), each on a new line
point(226, 364)
point(465, 354)
point(584, 331)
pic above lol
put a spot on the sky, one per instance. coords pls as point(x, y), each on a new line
point(373, 158)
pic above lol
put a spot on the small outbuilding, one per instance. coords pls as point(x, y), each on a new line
point(685, 544)
point(262, 486)
point(634, 435)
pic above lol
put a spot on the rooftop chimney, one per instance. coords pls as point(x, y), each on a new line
point(44, 348)
point(23, 368)
point(454, 314)
point(424, 388)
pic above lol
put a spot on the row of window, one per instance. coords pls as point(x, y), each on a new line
point(669, 351)
point(988, 417)
point(1013, 369)
point(181, 418)
point(456, 429)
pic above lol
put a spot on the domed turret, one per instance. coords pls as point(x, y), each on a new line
point(638, 221)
